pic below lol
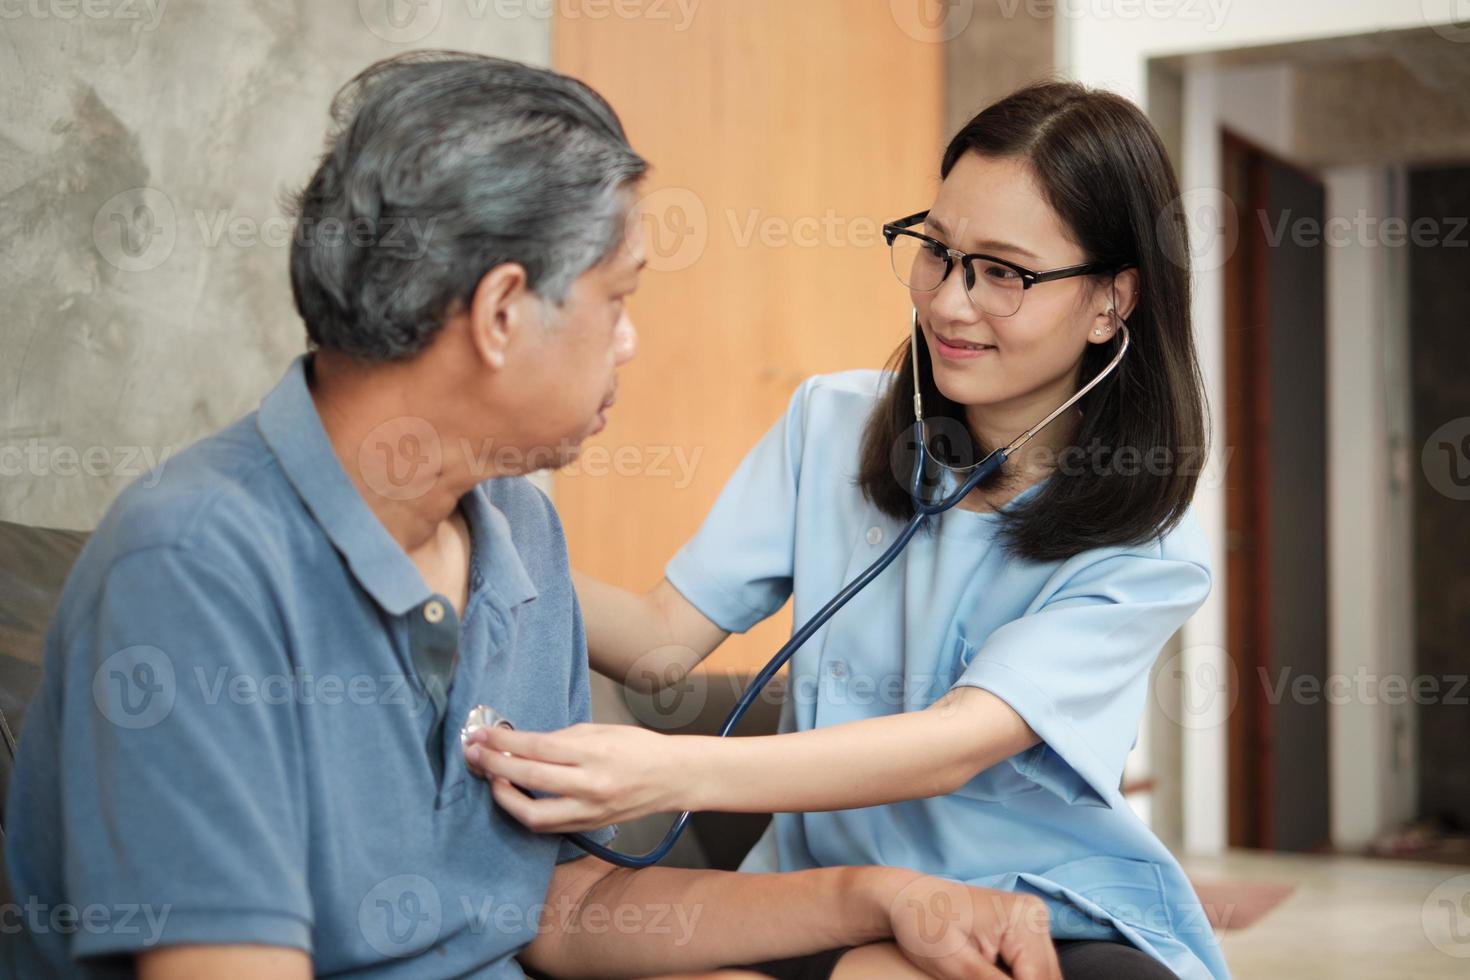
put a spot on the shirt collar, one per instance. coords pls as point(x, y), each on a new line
point(291, 427)
point(496, 562)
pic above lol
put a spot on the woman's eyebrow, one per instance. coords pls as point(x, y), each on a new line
point(988, 244)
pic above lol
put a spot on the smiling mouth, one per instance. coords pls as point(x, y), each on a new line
point(955, 343)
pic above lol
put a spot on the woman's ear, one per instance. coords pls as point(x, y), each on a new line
point(499, 311)
point(1117, 300)
point(1125, 290)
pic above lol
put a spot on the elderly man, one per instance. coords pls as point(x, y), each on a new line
point(246, 759)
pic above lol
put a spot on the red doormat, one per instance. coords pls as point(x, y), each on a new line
point(1240, 904)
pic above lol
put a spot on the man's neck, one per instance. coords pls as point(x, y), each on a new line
point(402, 456)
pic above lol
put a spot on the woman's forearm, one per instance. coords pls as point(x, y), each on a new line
point(907, 756)
point(646, 640)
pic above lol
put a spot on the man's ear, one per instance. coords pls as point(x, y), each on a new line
point(502, 307)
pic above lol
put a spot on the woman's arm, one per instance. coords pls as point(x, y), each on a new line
point(603, 774)
point(645, 640)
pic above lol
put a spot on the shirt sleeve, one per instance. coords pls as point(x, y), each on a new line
point(737, 569)
point(181, 798)
point(1076, 667)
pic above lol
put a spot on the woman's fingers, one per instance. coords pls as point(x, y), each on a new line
point(550, 815)
point(542, 777)
point(545, 746)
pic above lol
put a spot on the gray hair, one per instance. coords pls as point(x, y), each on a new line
point(441, 166)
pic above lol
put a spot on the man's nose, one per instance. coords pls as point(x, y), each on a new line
point(625, 340)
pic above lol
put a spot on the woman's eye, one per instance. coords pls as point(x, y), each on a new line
point(1000, 273)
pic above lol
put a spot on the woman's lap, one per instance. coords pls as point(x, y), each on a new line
point(1080, 960)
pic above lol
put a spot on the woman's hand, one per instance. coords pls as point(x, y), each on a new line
point(597, 774)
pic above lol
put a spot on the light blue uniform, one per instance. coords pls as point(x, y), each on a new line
point(1067, 644)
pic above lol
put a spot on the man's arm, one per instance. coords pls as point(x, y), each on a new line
point(675, 919)
point(224, 963)
point(603, 921)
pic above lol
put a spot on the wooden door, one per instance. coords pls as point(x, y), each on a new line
point(782, 135)
point(1276, 496)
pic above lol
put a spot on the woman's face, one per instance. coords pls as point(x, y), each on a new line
point(994, 205)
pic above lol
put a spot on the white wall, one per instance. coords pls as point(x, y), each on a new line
point(1110, 43)
point(1369, 515)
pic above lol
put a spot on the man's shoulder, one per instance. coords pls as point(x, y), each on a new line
point(219, 497)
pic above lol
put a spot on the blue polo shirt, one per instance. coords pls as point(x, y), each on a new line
point(244, 733)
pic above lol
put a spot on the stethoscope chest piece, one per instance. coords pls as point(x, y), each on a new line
point(483, 716)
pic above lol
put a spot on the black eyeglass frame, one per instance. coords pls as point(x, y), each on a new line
point(1029, 277)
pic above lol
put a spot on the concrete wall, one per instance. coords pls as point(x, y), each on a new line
point(144, 148)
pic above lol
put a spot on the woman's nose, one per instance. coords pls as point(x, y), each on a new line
point(951, 302)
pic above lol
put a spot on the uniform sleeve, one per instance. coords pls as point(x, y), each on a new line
point(737, 569)
point(181, 797)
point(1076, 667)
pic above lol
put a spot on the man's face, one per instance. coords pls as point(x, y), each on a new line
point(562, 374)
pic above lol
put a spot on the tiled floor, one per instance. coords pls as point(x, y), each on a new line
point(1349, 918)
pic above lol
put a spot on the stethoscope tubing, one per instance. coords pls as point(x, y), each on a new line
point(924, 508)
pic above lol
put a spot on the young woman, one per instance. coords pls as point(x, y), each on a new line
point(969, 714)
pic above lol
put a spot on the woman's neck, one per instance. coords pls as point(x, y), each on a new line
point(999, 425)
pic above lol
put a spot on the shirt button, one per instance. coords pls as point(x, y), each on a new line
point(875, 535)
point(839, 669)
point(434, 611)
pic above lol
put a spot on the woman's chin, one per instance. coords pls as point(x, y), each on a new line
point(967, 395)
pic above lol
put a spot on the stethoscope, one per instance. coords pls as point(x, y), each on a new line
point(924, 508)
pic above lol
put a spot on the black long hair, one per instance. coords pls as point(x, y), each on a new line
point(1104, 170)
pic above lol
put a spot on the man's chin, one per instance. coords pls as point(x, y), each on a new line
point(566, 454)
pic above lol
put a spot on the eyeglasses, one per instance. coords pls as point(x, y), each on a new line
point(995, 286)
